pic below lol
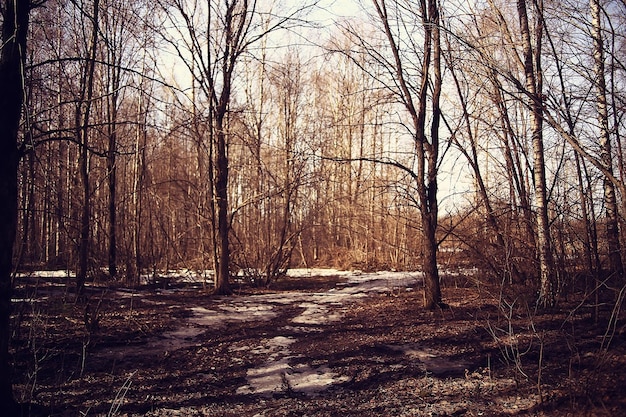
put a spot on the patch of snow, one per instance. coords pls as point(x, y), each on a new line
point(434, 362)
point(281, 342)
point(318, 308)
point(276, 375)
point(316, 314)
point(318, 272)
point(232, 313)
point(188, 276)
point(249, 311)
point(28, 300)
point(62, 273)
point(382, 281)
point(302, 378)
point(268, 378)
point(303, 329)
point(205, 317)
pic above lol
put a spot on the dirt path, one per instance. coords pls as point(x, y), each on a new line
point(347, 344)
point(281, 370)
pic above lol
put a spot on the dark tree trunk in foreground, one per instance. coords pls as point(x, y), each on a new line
point(222, 283)
point(14, 28)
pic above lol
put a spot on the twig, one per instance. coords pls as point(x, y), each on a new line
point(121, 394)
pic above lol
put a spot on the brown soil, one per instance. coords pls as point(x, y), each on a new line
point(127, 353)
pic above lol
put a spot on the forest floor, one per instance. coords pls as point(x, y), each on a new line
point(314, 345)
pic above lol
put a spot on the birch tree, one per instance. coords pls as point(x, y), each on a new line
point(606, 152)
point(534, 82)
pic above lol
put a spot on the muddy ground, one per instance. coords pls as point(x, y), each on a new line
point(313, 346)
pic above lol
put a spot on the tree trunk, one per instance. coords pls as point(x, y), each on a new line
point(112, 126)
point(427, 152)
point(112, 183)
point(606, 153)
point(83, 112)
point(430, 213)
point(134, 265)
point(15, 15)
point(222, 285)
point(533, 86)
point(432, 289)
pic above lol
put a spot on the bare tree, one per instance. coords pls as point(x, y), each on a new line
point(415, 97)
point(114, 28)
point(499, 262)
point(606, 152)
point(82, 126)
point(216, 34)
point(15, 19)
point(534, 83)
point(567, 123)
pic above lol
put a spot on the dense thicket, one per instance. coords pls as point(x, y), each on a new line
point(129, 136)
point(123, 126)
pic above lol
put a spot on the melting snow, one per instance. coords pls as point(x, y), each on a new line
point(311, 381)
point(276, 375)
point(316, 314)
point(63, 273)
point(269, 378)
point(236, 311)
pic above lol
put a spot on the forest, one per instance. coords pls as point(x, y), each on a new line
point(454, 170)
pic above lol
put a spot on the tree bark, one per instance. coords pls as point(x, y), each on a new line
point(83, 112)
point(222, 284)
point(112, 184)
point(431, 210)
point(221, 106)
point(426, 151)
point(606, 152)
point(235, 21)
point(533, 76)
point(112, 126)
point(15, 16)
